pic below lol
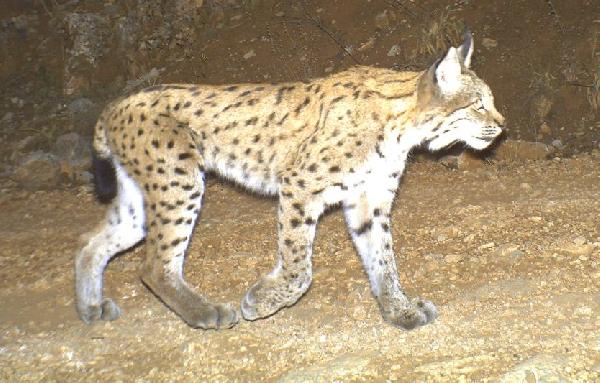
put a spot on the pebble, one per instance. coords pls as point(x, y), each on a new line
point(39, 170)
point(453, 258)
point(394, 51)
point(7, 118)
point(580, 241)
point(545, 129)
point(74, 156)
point(525, 186)
point(489, 43)
point(485, 246)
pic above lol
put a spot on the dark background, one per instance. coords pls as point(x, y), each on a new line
point(62, 61)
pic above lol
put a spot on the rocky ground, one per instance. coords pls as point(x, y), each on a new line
point(510, 252)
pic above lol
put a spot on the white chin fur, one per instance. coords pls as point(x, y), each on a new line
point(472, 142)
point(478, 144)
point(440, 143)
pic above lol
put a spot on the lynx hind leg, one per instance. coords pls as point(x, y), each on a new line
point(171, 212)
point(122, 228)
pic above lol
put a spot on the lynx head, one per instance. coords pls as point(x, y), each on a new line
point(451, 90)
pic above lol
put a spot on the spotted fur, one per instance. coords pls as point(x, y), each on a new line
point(342, 139)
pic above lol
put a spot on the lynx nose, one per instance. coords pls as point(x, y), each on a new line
point(499, 120)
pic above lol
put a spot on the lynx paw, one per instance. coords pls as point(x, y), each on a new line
point(419, 313)
point(108, 310)
point(211, 316)
point(269, 295)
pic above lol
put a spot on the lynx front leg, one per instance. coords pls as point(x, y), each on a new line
point(292, 275)
point(368, 219)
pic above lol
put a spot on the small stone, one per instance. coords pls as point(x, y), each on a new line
point(580, 241)
point(432, 266)
point(545, 129)
point(39, 170)
point(7, 118)
point(469, 238)
point(584, 311)
point(449, 161)
point(367, 44)
point(18, 102)
point(557, 144)
point(249, 54)
point(486, 246)
point(83, 113)
point(394, 51)
point(453, 258)
point(525, 186)
point(74, 156)
point(489, 43)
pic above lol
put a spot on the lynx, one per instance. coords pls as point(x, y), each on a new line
point(343, 139)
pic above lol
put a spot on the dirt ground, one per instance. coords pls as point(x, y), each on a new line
point(509, 253)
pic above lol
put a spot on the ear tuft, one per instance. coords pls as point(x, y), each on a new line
point(465, 50)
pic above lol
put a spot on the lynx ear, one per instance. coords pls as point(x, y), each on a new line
point(465, 50)
point(447, 72)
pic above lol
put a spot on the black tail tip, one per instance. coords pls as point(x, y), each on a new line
point(105, 178)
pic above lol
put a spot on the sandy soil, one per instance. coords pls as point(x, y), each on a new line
point(510, 253)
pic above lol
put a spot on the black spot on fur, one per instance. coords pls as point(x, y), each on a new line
point(366, 226)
